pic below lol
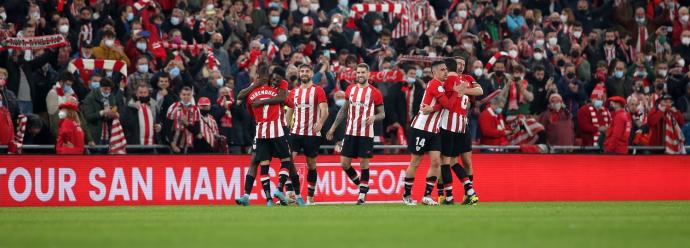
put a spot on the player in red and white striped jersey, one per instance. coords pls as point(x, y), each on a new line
point(363, 107)
point(308, 110)
point(454, 138)
point(423, 135)
point(270, 141)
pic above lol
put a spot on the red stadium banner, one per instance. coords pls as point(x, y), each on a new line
point(218, 179)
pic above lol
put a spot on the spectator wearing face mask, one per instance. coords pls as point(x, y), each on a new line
point(593, 119)
point(184, 116)
point(206, 138)
point(558, 123)
point(142, 75)
point(683, 103)
point(492, 124)
point(70, 138)
point(572, 89)
point(100, 108)
point(8, 110)
point(518, 93)
point(109, 49)
point(665, 122)
point(215, 82)
point(618, 84)
point(680, 25)
point(140, 118)
point(618, 135)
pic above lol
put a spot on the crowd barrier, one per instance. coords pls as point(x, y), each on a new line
point(101, 180)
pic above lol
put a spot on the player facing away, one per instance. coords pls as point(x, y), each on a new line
point(455, 139)
point(270, 140)
point(424, 133)
point(308, 108)
point(363, 106)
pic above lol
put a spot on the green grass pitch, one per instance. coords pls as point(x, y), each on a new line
point(571, 224)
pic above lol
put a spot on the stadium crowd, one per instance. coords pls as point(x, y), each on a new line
point(168, 72)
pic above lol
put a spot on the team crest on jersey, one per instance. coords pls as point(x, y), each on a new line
point(440, 89)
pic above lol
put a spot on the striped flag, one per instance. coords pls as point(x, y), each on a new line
point(118, 143)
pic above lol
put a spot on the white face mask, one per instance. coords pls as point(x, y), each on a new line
point(513, 53)
point(553, 41)
point(685, 40)
point(304, 10)
point(3, 16)
point(62, 114)
point(685, 18)
point(28, 55)
point(577, 34)
point(141, 46)
point(539, 42)
point(281, 38)
point(109, 43)
point(663, 73)
point(457, 26)
point(564, 19)
point(64, 29)
point(324, 39)
point(462, 14)
point(432, 54)
point(314, 7)
point(478, 72)
point(681, 62)
point(538, 56)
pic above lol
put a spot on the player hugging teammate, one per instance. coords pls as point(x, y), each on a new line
point(439, 129)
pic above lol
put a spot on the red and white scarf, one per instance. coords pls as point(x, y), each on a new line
point(209, 129)
point(528, 130)
point(605, 115)
point(673, 138)
point(191, 21)
point(495, 58)
point(211, 61)
point(393, 76)
point(118, 143)
point(146, 123)
point(513, 101)
point(226, 120)
point(33, 43)
point(15, 147)
point(182, 136)
point(85, 66)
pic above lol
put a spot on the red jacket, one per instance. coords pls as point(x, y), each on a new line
point(6, 126)
point(657, 123)
point(69, 132)
point(489, 123)
point(586, 125)
point(618, 134)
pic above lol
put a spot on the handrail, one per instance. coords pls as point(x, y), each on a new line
point(378, 147)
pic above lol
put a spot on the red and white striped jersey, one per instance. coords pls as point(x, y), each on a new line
point(146, 123)
point(363, 102)
point(455, 119)
point(430, 122)
point(268, 117)
point(305, 102)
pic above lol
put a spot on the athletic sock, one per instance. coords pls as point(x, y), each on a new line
point(283, 174)
point(447, 178)
point(439, 186)
point(408, 186)
point(430, 182)
point(266, 182)
point(471, 177)
point(352, 174)
point(311, 180)
point(462, 175)
point(364, 184)
point(289, 186)
point(295, 181)
point(248, 183)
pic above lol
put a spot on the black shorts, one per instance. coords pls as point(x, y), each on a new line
point(454, 144)
point(308, 145)
point(272, 148)
point(420, 142)
point(357, 147)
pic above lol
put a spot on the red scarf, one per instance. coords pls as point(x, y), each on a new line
point(394, 76)
point(513, 94)
point(209, 129)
